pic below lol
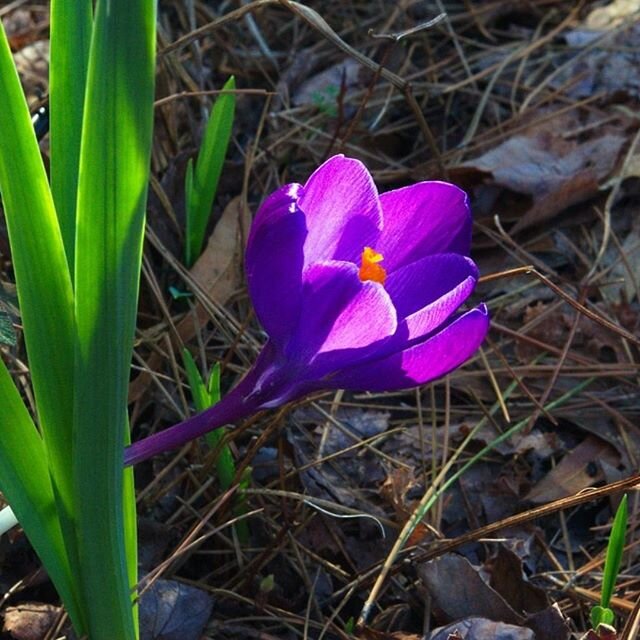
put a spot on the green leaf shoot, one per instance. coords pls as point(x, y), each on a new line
point(201, 182)
point(615, 548)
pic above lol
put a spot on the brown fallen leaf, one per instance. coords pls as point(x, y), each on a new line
point(394, 491)
point(612, 14)
point(462, 597)
point(171, 610)
point(219, 269)
point(549, 624)
point(507, 579)
point(23, 27)
point(574, 472)
point(322, 89)
point(30, 621)
point(628, 270)
point(610, 68)
point(553, 325)
point(548, 167)
point(482, 629)
point(458, 592)
point(542, 324)
point(553, 628)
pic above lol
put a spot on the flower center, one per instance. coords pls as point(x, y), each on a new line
point(370, 268)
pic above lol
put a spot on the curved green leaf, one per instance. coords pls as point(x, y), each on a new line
point(25, 483)
point(43, 284)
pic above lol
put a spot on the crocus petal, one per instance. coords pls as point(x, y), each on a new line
point(421, 363)
point(423, 219)
point(427, 292)
point(340, 316)
point(274, 262)
point(341, 204)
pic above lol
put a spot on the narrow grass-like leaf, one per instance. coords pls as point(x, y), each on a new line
point(205, 396)
point(202, 182)
point(114, 171)
point(70, 37)
point(615, 547)
point(43, 283)
point(225, 464)
point(614, 552)
point(213, 386)
point(199, 391)
point(26, 484)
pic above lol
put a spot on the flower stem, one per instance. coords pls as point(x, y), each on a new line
point(233, 407)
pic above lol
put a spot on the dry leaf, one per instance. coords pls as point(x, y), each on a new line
point(628, 269)
point(574, 472)
point(30, 621)
point(554, 171)
point(507, 578)
point(458, 591)
point(612, 14)
point(482, 629)
point(395, 487)
point(609, 68)
point(170, 610)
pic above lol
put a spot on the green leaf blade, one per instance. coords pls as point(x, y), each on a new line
point(71, 24)
point(199, 391)
point(615, 549)
point(26, 484)
point(114, 171)
point(202, 183)
point(43, 283)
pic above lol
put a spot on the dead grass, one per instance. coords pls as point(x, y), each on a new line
point(490, 97)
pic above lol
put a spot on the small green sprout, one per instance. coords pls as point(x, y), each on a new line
point(205, 396)
point(602, 614)
point(267, 584)
point(326, 98)
point(201, 183)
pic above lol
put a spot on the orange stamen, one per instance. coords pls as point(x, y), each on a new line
point(369, 267)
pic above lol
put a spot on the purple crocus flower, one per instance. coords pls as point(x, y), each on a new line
point(355, 289)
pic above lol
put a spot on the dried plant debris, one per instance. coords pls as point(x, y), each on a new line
point(604, 59)
point(532, 107)
point(475, 604)
point(482, 629)
point(552, 163)
point(170, 610)
point(31, 621)
point(580, 468)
